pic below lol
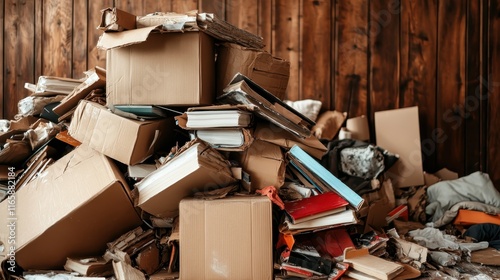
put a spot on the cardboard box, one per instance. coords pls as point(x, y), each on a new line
point(73, 209)
point(228, 238)
point(269, 72)
point(159, 69)
point(265, 163)
point(125, 140)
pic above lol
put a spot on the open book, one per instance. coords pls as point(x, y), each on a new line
point(95, 266)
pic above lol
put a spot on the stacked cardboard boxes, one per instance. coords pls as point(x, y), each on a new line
point(139, 180)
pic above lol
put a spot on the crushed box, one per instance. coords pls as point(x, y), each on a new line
point(73, 209)
point(145, 68)
point(269, 72)
point(125, 140)
point(228, 238)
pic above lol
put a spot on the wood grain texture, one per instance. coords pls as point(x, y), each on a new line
point(418, 49)
point(80, 31)
point(133, 7)
point(151, 6)
point(264, 26)
point(474, 89)
point(243, 14)
point(351, 93)
point(316, 51)
point(384, 55)
point(2, 6)
point(95, 57)
point(451, 83)
point(57, 28)
point(39, 46)
point(218, 7)
point(19, 55)
point(182, 6)
point(286, 41)
point(494, 93)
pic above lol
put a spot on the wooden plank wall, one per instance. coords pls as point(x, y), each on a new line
point(357, 56)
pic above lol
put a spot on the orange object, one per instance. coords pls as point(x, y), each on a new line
point(470, 217)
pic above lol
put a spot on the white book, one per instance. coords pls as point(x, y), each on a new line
point(338, 219)
point(218, 118)
point(221, 137)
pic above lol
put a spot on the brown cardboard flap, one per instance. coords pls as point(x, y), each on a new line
point(114, 19)
point(110, 40)
point(359, 128)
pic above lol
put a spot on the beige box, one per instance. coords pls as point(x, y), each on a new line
point(228, 238)
point(159, 69)
point(125, 140)
point(73, 209)
point(269, 72)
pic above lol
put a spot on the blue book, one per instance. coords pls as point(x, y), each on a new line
point(326, 176)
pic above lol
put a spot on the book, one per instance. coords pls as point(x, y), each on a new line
point(143, 111)
point(315, 207)
point(218, 118)
point(374, 266)
point(400, 211)
point(298, 155)
point(244, 91)
point(94, 266)
point(226, 139)
point(194, 167)
point(346, 217)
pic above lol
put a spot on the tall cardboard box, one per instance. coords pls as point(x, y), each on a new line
point(228, 238)
point(125, 140)
point(269, 72)
point(145, 68)
point(73, 209)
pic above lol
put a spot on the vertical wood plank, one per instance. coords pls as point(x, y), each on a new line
point(39, 43)
point(418, 71)
point(57, 28)
point(2, 7)
point(80, 30)
point(218, 7)
point(264, 26)
point(384, 55)
point(351, 94)
point(243, 14)
point(494, 93)
point(474, 90)
point(286, 41)
point(451, 83)
point(133, 7)
point(316, 51)
point(18, 53)
point(95, 56)
point(182, 6)
point(151, 6)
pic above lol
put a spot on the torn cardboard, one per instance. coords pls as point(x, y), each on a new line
point(126, 140)
point(269, 72)
point(398, 131)
point(228, 238)
point(328, 124)
point(113, 19)
point(359, 128)
point(265, 164)
point(74, 208)
point(159, 69)
point(273, 134)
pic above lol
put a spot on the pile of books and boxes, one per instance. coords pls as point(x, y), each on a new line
point(180, 159)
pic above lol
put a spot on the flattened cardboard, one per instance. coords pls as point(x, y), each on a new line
point(328, 124)
point(228, 238)
point(273, 134)
point(265, 164)
point(74, 208)
point(398, 131)
point(359, 128)
point(488, 256)
point(96, 79)
point(159, 69)
point(125, 140)
point(269, 72)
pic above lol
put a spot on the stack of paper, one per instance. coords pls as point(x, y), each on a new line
point(218, 118)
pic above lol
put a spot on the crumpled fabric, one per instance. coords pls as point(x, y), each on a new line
point(433, 238)
point(485, 232)
point(332, 161)
point(364, 162)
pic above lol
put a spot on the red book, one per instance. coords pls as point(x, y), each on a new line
point(315, 207)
